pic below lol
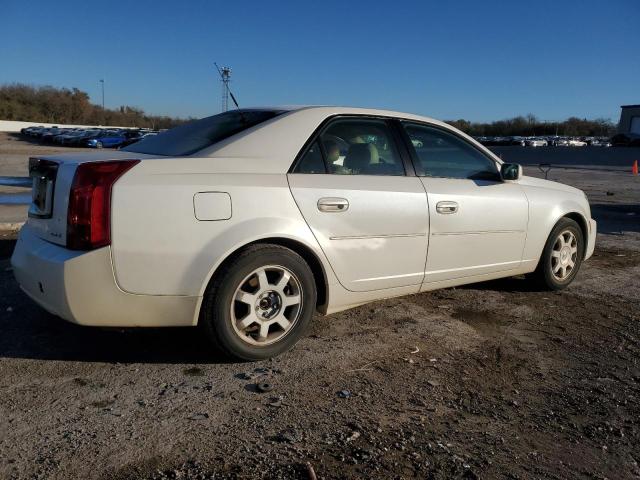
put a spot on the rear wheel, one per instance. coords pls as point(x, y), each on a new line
point(260, 303)
point(562, 256)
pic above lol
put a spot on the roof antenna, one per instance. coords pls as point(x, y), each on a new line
point(225, 74)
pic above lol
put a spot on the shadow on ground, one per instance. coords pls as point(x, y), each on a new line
point(30, 332)
point(509, 284)
point(617, 218)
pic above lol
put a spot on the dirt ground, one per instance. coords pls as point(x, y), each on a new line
point(493, 380)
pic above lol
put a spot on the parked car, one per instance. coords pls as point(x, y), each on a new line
point(81, 137)
point(575, 142)
point(80, 140)
point(597, 141)
point(47, 137)
point(503, 141)
point(134, 139)
point(112, 139)
point(536, 142)
point(37, 132)
point(64, 137)
point(499, 141)
point(247, 222)
point(519, 141)
point(29, 131)
point(487, 141)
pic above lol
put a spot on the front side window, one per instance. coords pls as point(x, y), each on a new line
point(443, 154)
point(354, 147)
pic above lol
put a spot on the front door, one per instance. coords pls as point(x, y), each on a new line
point(478, 222)
point(370, 219)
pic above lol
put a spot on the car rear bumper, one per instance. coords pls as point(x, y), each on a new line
point(591, 240)
point(80, 287)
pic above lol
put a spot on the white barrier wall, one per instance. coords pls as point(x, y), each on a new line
point(11, 126)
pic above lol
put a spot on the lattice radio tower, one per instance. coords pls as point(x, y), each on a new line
point(225, 77)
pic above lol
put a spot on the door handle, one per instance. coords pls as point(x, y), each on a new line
point(446, 208)
point(333, 204)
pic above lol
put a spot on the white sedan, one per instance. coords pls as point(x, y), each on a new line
point(247, 222)
point(536, 142)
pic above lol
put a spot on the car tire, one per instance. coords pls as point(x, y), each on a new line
point(259, 304)
point(562, 256)
point(98, 144)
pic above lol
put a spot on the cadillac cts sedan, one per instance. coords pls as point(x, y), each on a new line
point(246, 222)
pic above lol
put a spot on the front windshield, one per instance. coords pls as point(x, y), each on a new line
point(194, 136)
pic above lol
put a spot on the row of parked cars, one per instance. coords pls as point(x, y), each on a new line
point(550, 141)
point(88, 137)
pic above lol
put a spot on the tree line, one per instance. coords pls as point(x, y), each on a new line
point(48, 104)
point(530, 125)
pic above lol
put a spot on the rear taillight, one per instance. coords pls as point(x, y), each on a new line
point(89, 213)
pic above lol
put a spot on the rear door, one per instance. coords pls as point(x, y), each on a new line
point(369, 217)
point(478, 222)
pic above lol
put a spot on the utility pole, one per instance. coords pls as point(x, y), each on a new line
point(104, 115)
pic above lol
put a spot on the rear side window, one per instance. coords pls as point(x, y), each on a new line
point(194, 136)
point(443, 154)
point(312, 161)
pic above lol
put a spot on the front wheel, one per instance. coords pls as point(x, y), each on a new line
point(561, 257)
point(260, 303)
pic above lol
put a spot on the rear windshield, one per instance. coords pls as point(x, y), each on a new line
point(191, 137)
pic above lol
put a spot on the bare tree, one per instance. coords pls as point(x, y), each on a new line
point(71, 106)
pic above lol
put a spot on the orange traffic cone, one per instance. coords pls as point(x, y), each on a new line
point(634, 168)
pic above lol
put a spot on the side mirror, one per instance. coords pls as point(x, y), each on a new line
point(511, 171)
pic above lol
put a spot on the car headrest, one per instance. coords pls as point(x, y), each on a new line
point(360, 156)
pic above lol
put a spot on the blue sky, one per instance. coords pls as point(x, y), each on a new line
point(479, 60)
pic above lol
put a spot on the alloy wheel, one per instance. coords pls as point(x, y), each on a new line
point(564, 255)
point(266, 305)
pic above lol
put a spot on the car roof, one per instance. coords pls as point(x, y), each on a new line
point(346, 110)
point(275, 143)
